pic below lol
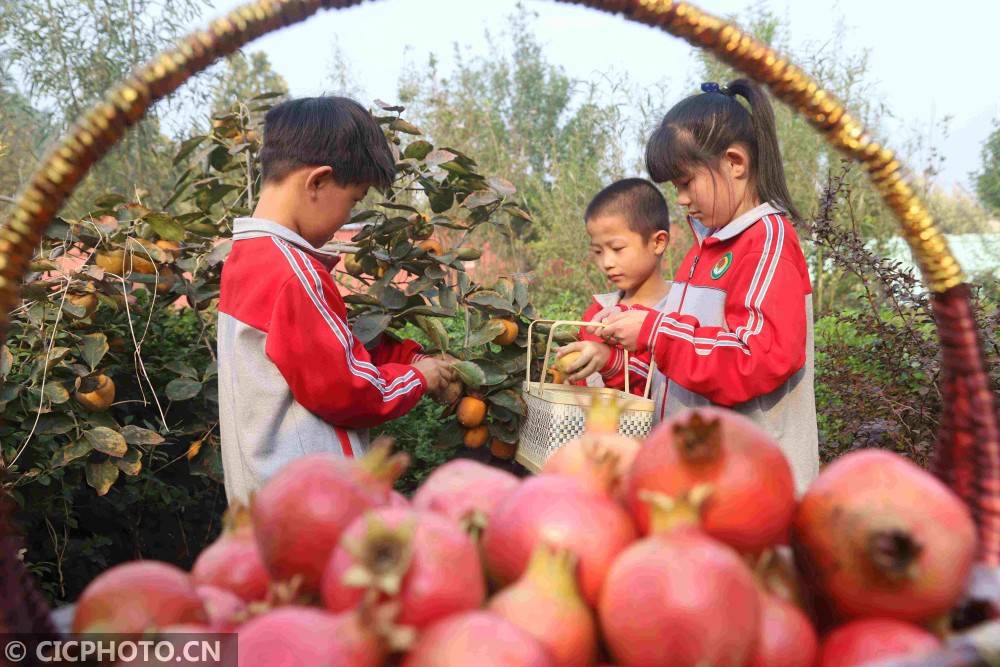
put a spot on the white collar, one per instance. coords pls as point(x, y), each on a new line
point(743, 222)
point(252, 228)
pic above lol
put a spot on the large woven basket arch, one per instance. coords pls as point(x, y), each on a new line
point(968, 447)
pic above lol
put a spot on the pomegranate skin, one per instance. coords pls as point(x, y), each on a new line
point(138, 596)
point(787, 638)
point(443, 577)
point(233, 562)
point(462, 488)
point(879, 537)
point(299, 514)
point(292, 636)
point(556, 509)
point(752, 497)
point(680, 600)
point(222, 607)
point(546, 604)
point(873, 640)
point(599, 462)
point(476, 638)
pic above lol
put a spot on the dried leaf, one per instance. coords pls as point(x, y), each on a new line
point(135, 435)
point(101, 476)
point(106, 441)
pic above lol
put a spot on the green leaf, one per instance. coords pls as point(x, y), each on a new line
point(72, 451)
point(490, 299)
point(135, 435)
point(369, 325)
point(131, 463)
point(166, 227)
point(187, 147)
point(450, 435)
point(470, 374)
point(181, 368)
point(219, 253)
point(439, 157)
point(441, 201)
point(503, 187)
point(101, 476)
point(400, 125)
point(417, 150)
point(480, 198)
point(510, 400)
point(517, 212)
point(490, 330)
point(56, 393)
point(494, 372)
point(93, 348)
point(106, 441)
point(435, 331)
point(109, 200)
point(392, 298)
point(6, 361)
point(55, 423)
point(504, 432)
point(181, 389)
point(468, 254)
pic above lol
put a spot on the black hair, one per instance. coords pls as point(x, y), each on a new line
point(326, 131)
point(698, 130)
point(637, 200)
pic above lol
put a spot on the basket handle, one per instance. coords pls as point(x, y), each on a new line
point(548, 351)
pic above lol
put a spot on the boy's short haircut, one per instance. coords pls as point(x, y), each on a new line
point(326, 131)
point(639, 201)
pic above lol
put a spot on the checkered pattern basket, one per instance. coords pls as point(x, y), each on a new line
point(556, 412)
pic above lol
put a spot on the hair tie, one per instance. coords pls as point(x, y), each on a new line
point(713, 87)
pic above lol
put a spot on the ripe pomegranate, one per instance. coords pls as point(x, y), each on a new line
point(292, 636)
point(874, 639)
point(599, 462)
point(546, 604)
point(223, 608)
point(233, 562)
point(465, 491)
point(787, 638)
point(879, 536)
point(558, 510)
point(476, 638)
point(680, 599)
point(751, 495)
point(138, 596)
point(299, 513)
point(422, 560)
point(397, 499)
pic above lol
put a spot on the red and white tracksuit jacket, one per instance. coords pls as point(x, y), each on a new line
point(737, 331)
point(293, 380)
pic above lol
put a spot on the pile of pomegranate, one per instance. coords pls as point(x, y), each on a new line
point(688, 549)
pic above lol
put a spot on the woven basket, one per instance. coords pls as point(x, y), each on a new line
point(557, 412)
point(967, 455)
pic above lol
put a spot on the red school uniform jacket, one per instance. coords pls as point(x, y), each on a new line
point(737, 332)
point(293, 379)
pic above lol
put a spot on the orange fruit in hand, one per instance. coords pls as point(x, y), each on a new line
point(509, 333)
point(471, 412)
point(503, 450)
point(476, 437)
point(566, 362)
point(556, 375)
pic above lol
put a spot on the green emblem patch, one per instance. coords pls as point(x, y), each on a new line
point(722, 266)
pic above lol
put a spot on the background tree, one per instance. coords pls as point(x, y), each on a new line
point(243, 77)
point(64, 55)
point(988, 177)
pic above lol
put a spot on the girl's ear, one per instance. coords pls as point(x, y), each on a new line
point(738, 159)
point(317, 178)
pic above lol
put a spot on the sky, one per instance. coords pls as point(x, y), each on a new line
point(929, 61)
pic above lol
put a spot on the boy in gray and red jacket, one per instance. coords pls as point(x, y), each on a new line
point(293, 379)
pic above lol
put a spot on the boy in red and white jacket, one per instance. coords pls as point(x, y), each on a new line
point(629, 228)
point(293, 379)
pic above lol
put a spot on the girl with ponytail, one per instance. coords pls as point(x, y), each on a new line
point(737, 328)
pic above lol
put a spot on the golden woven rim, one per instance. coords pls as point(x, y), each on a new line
point(94, 133)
